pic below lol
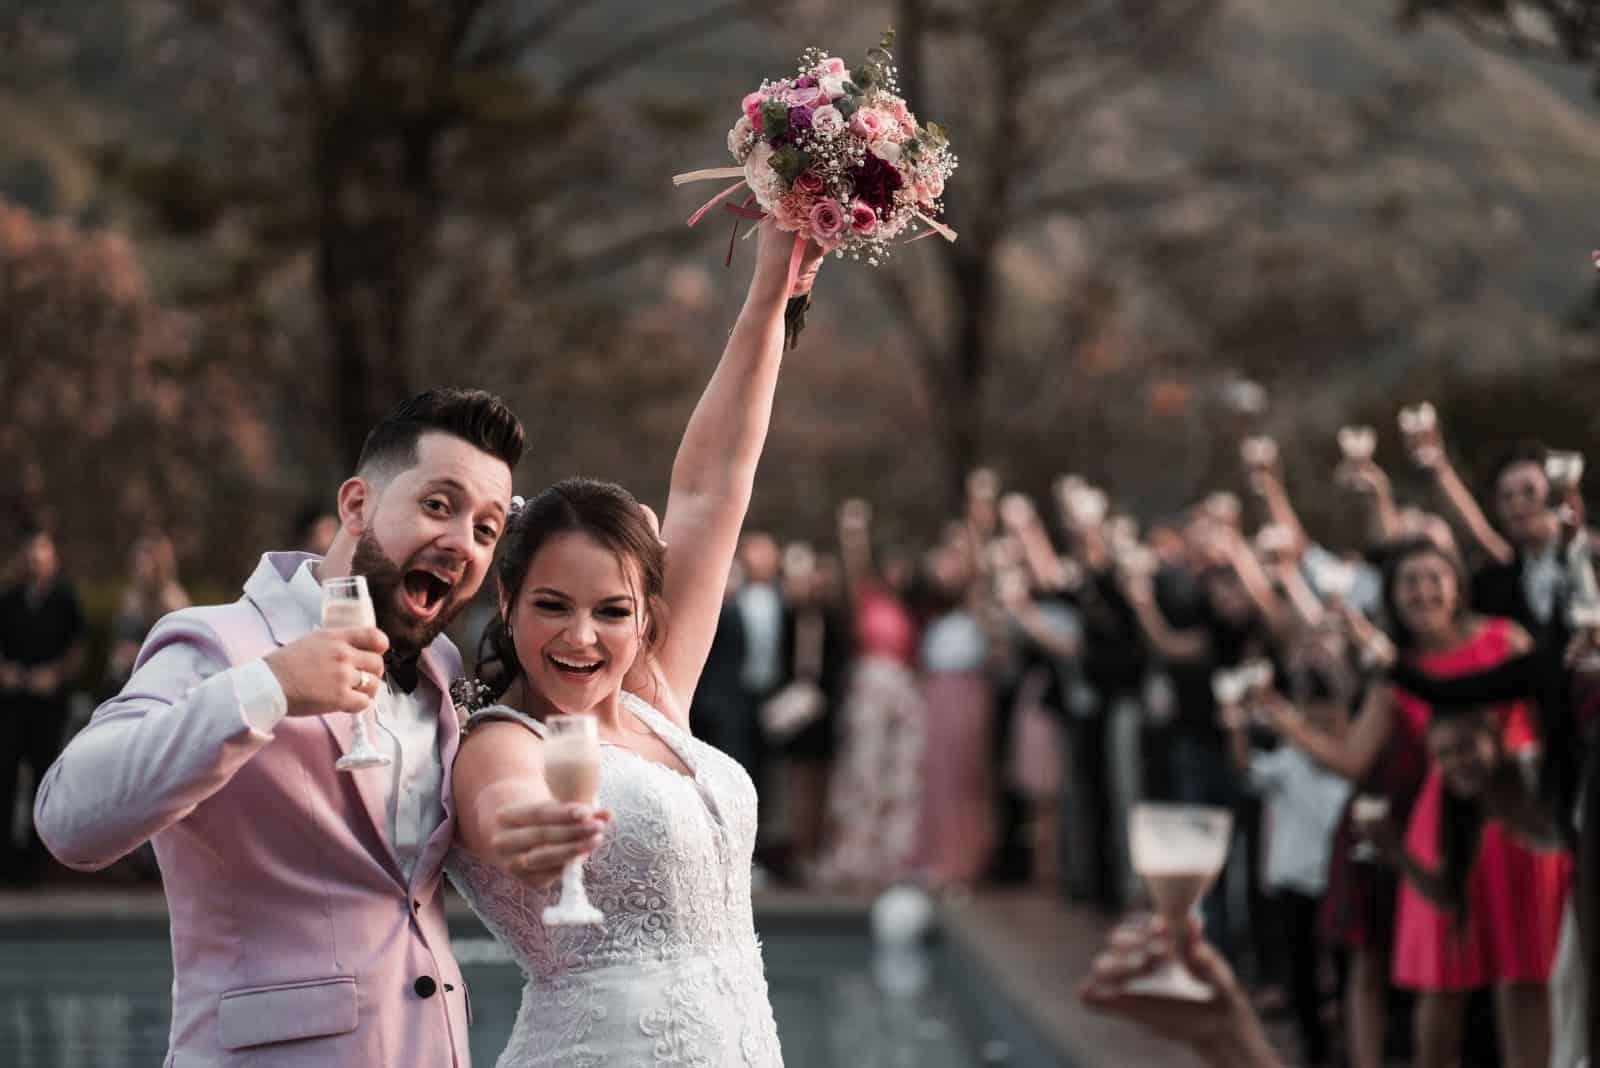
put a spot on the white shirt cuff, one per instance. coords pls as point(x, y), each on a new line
point(261, 699)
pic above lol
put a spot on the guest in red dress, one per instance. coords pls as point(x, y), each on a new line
point(1505, 935)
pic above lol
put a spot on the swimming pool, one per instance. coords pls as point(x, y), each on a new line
point(92, 994)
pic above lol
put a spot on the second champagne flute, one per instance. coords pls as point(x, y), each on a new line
point(572, 771)
point(1179, 850)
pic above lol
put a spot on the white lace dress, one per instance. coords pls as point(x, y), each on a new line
point(674, 976)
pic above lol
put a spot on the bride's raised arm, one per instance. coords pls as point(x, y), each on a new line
point(715, 470)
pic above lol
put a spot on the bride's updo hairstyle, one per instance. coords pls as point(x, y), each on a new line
point(605, 512)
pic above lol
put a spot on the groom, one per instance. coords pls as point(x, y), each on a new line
point(307, 923)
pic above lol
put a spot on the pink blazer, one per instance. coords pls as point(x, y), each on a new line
point(295, 939)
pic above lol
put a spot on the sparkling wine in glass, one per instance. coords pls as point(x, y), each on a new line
point(1367, 812)
point(1419, 425)
point(346, 603)
point(1179, 850)
point(572, 771)
point(1358, 443)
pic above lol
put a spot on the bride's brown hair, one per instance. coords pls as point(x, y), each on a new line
point(605, 512)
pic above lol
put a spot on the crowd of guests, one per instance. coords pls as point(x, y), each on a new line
point(992, 710)
point(1400, 727)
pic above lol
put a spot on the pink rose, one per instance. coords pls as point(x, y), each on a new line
point(808, 97)
point(863, 220)
point(827, 222)
point(809, 182)
point(869, 124)
point(752, 107)
point(935, 187)
point(835, 66)
point(827, 120)
point(898, 112)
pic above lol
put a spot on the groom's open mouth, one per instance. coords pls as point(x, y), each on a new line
point(425, 590)
point(574, 667)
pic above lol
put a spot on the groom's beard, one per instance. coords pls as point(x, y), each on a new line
point(407, 633)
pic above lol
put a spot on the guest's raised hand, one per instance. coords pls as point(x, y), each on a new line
point(1223, 1030)
point(534, 840)
point(1364, 477)
point(1016, 511)
point(335, 669)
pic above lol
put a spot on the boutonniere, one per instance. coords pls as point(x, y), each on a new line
point(468, 693)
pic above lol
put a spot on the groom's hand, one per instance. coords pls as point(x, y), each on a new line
point(333, 670)
point(534, 840)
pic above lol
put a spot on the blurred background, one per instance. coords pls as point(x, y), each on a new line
point(233, 234)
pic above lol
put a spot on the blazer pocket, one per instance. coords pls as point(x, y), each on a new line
point(255, 1016)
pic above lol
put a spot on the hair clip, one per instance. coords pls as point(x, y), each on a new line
point(518, 503)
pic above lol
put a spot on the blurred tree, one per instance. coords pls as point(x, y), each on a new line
point(1016, 80)
point(121, 413)
point(1567, 30)
point(406, 155)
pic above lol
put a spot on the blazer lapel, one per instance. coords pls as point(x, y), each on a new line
point(288, 620)
point(368, 782)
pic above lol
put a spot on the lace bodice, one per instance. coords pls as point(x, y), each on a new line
point(674, 976)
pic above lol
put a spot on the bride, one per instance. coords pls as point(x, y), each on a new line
point(674, 974)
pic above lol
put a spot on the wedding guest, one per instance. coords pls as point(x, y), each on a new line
point(1303, 802)
point(816, 652)
point(874, 797)
point(314, 529)
point(153, 591)
point(41, 651)
point(760, 605)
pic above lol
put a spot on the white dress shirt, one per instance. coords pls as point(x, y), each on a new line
point(762, 608)
point(407, 733)
point(1541, 576)
point(1304, 803)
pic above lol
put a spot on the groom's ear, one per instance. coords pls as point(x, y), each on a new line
point(356, 500)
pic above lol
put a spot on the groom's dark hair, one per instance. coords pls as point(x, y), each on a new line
point(475, 416)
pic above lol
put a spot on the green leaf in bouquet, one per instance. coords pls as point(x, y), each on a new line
point(937, 135)
point(865, 76)
point(774, 119)
point(847, 105)
point(789, 162)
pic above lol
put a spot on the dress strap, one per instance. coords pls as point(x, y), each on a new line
point(506, 714)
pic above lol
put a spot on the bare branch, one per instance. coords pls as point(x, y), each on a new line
point(578, 269)
point(294, 27)
point(647, 44)
point(510, 43)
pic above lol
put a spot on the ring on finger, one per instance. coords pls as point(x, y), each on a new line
point(365, 681)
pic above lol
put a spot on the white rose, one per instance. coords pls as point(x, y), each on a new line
point(827, 120)
point(833, 85)
point(760, 177)
point(887, 151)
point(739, 135)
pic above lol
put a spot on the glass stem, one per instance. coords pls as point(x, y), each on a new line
point(572, 891)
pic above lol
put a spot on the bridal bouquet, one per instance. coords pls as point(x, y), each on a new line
point(833, 155)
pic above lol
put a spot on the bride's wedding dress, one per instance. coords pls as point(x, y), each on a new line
point(674, 976)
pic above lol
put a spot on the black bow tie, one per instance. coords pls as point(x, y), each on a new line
point(401, 670)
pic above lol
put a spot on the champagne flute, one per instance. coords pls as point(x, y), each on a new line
point(1179, 850)
point(572, 771)
point(1419, 425)
point(346, 603)
point(1368, 811)
point(1357, 444)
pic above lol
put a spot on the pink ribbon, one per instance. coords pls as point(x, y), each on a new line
point(708, 205)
